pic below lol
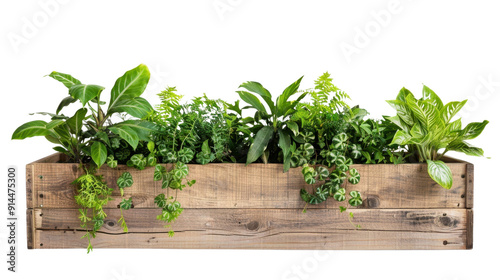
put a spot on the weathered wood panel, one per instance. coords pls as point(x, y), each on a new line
point(259, 186)
point(249, 220)
point(263, 229)
point(258, 207)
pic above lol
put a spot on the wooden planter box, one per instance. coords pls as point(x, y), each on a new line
point(258, 207)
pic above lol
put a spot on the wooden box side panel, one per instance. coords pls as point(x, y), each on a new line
point(263, 229)
point(259, 186)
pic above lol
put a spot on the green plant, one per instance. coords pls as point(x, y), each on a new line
point(124, 181)
point(426, 126)
point(89, 133)
point(93, 194)
point(274, 128)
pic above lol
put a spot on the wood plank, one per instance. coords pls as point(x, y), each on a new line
point(470, 229)
point(245, 221)
point(263, 229)
point(30, 228)
point(29, 185)
point(331, 240)
point(259, 186)
point(469, 196)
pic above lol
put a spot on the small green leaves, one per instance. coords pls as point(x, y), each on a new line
point(185, 155)
point(181, 170)
point(339, 195)
point(160, 200)
point(111, 161)
point(99, 153)
point(126, 204)
point(323, 173)
point(309, 178)
point(440, 172)
point(355, 199)
point(355, 176)
point(125, 180)
point(342, 209)
point(159, 172)
point(339, 141)
point(138, 161)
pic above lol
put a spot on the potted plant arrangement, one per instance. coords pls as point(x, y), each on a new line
point(298, 170)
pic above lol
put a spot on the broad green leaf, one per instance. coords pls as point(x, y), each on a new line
point(252, 100)
point(284, 142)
point(66, 79)
point(430, 95)
point(466, 148)
point(425, 112)
point(30, 129)
point(137, 107)
point(403, 111)
point(260, 90)
point(402, 125)
point(401, 138)
point(450, 110)
point(454, 126)
point(52, 116)
point(132, 84)
point(293, 127)
point(402, 95)
point(65, 102)
point(440, 172)
point(417, 131)
point(144, 129)
point(75, 123)
point(125, 180)
point(127, 134)
point(472, 130)
point(85, 93)
point(282, 100)
point(98, 153)
point(259, 144)
point(104, 137)
point(54, 123)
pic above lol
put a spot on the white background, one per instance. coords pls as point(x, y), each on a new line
point(451, 46)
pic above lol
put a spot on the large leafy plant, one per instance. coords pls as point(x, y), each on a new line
point(427, 126)
point(89, 132)
point(272, 126)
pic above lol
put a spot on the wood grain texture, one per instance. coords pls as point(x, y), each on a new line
point(262, 220)
point(258, 186)
point(29, 186)
point(470, 186)
point(263, 229)
point(258, 207)
point(470, 229)
point(30, 228)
